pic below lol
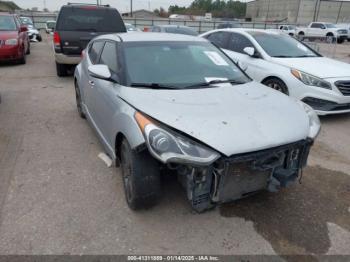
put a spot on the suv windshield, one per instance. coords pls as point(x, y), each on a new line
point(277, 45)
point(178, 64)
point(7, 23)
point(89, 18)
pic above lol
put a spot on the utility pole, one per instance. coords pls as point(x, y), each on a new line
point(131, 8)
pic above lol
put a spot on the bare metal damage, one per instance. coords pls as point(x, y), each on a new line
point(236, 177)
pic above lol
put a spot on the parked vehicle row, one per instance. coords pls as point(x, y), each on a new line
point(33, 33)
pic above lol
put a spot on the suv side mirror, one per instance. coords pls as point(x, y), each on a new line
point(23, 28)
point(100, 72)
point(251, 52)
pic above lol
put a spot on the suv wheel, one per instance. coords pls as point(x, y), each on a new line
point(141, 177)
point(61, 69)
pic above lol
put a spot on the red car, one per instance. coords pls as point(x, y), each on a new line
point(14, 43)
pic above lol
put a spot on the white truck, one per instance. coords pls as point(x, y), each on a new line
point(320, 30)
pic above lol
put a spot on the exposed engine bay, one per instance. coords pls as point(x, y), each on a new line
point(239, 176)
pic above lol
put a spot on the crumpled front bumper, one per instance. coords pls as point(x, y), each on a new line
point(239, 176)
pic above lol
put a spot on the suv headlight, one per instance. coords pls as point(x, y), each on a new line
point(11, 42)
point(169, 147)
point(314, 121)
point(310, 80)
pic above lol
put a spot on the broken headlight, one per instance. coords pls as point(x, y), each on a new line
point(310, 80)
point(169, 147)
point(314, 121)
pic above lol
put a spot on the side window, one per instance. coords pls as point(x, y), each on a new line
point(109, 56)
point(95, 50)
point(316, 25)
point(238, 42)
point(219, 39)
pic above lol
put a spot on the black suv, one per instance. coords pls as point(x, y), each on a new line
point(76, 25)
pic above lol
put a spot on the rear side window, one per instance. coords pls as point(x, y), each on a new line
point(317, 25)
point(95, 51)
point(87, 18)
point(109, 56)
point(238, 42)
point(219, 39)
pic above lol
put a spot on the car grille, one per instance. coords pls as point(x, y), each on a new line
point(343, 32)
point(344, 87)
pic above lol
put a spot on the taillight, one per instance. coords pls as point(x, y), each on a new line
point(56, 39)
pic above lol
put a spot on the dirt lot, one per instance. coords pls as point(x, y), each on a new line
point(58, 197)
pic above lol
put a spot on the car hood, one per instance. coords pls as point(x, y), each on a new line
point(230, 119)
point(4, 35)
point(321, 67)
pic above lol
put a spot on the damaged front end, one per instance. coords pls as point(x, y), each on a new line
point(239, 176)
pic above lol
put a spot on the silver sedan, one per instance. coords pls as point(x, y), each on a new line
point(166, 101)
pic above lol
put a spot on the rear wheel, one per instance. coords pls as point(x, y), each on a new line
point(329, 38)
point(61, 70)
point(277, 84)
point(28, 50)
point(141, 177)
point(79, 102)
point(301, 36)
point(39, 38)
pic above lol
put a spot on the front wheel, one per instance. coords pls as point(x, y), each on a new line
point(141, 177)
point(277, 84)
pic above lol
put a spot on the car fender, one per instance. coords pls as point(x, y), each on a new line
point(124, 124)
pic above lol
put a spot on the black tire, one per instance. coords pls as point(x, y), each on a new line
point(28, 50)
point(340, 41)
point(39, 38)
point(61, 70)
point(301, 36)
point(141, 177)
point(330, 38)
point(23, 59)
point(277, 84)
point(79, 103)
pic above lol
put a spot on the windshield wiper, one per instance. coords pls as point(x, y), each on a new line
point(213, 82)
point(153, 86)
point(283, 56)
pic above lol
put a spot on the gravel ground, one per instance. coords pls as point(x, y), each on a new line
point(58, 197)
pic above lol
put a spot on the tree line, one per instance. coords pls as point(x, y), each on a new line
point(219, 8)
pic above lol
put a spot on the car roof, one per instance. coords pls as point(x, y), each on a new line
point(145, 37)
point(250, 31)
point(6, 14)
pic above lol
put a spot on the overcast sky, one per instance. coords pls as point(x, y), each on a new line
point(122, 5)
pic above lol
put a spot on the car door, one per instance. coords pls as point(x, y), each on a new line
point(93, 56)
point(254, 67)
point(104, 93)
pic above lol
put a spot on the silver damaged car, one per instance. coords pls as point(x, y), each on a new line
point(166, 101)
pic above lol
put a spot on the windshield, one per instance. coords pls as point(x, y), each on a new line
point(181, 30)
point(330, 26)
point(7, 23)
point(178, 64)
point(277, 45)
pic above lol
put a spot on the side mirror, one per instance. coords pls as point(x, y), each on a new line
point(100, 72)
point(250, 51)
point(23, 28)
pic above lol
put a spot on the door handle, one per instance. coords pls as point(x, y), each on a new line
point(92, 83)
